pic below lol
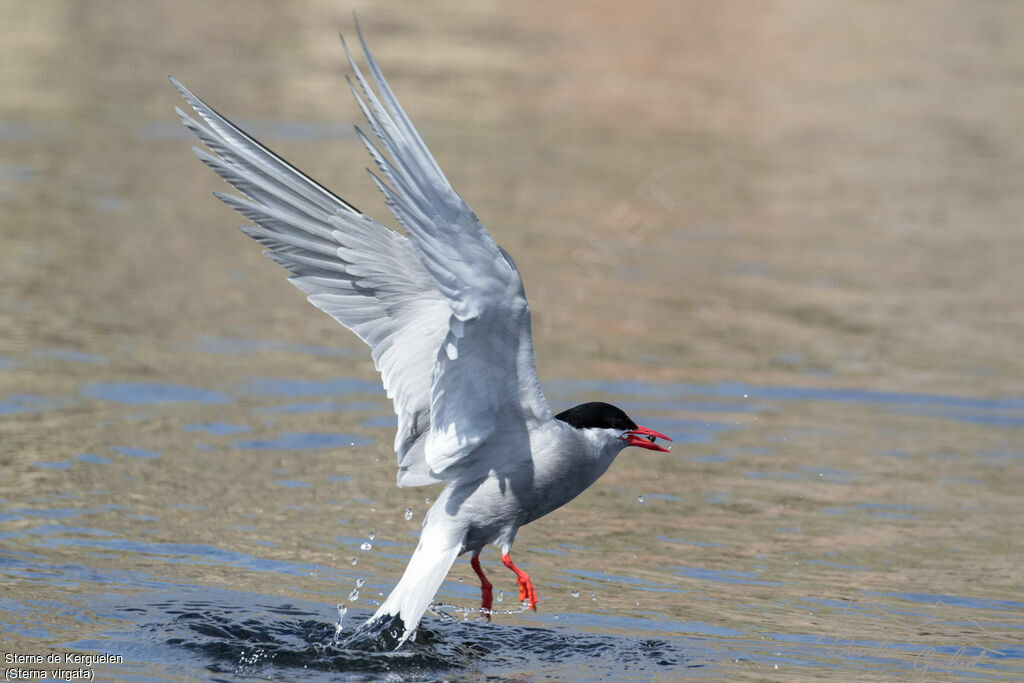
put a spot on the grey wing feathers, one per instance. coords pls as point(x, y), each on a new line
point(435, 216)
point(443, 310)
point(363, 274)
point(485, 375)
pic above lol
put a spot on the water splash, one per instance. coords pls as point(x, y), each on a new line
point(339, 625)
point(253, 658)
point(298, 641)
point(448, 612)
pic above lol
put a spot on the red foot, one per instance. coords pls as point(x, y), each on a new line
point(486, 596)
point(526, 591)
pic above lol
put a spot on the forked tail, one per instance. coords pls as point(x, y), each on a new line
point(427, 569)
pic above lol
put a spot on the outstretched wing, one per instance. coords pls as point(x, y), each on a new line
point(443, 310)
point(485, 376)
point(363, 274)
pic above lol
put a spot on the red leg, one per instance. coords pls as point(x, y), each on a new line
point(526, 591)
point(486, 597)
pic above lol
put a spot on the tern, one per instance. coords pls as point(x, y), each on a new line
point(443, 310)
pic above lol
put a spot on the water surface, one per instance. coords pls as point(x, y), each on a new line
point(787, 235)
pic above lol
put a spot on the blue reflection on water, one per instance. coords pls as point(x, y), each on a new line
point(304, 440)
point(633, 582)
point(54, 535)
point(24, 403)
point(381, 421)
point(216, 428)
point(92, 458)
point(317, 407)
point(723, 576)
point(956, 601)
point(145, 393)
point(71, 356)
point(341, 386)
point(292, 484)
point(53, 464)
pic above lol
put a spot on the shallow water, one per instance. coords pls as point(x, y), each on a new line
point(759, 543)
point(788, 237)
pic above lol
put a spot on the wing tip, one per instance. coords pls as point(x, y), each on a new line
point(184, 92)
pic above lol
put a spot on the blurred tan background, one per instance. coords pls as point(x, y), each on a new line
point(693, 190)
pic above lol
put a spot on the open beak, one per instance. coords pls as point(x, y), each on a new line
point(645, 438)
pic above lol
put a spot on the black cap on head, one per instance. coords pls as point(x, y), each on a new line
point(596, 415)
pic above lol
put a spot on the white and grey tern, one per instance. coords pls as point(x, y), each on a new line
point(445, 315)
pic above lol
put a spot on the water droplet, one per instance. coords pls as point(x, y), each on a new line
point(360, 582)
point(354, 595)
point(366, 545)
point(461, 580)
point(501, 595)
point(746, 395)
point(355, 561)
point(640, 499)
point(427, 501)
point(408, 513)
point(342, 610)
point(575, 594)
point(370, 535)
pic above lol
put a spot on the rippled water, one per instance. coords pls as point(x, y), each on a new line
point(761, 542)
point(787, 235)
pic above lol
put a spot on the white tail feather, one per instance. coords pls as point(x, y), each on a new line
point(427, 569)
